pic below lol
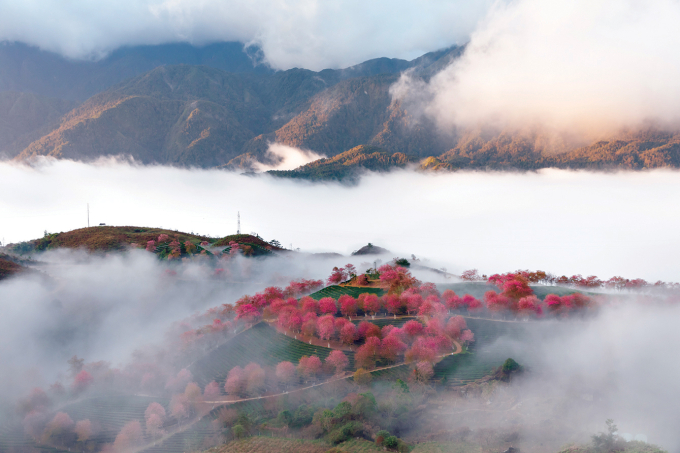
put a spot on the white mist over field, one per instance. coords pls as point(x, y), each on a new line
point(560, 221)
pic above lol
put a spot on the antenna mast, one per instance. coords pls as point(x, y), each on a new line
point(238, 228)
point(88, 215)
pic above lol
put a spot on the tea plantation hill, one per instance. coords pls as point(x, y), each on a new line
point(264, 345)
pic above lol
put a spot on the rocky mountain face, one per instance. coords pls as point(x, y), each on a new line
point(221, 108)
point(202, 116)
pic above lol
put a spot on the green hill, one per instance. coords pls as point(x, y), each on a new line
point(348, 165)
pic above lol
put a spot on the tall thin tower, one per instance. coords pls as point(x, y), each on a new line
point(88, 215)
point(238, 228)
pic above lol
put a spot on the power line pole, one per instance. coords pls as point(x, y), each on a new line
point(88, 215)
point(238, 228)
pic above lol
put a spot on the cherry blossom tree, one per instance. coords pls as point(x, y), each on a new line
point(413, 328)
point(248, 312)
point(454, 326)
point(338, 275)
point(467, 336)
point(129, 437)
point(471, 303)
point(391, 347)
point(348, 305)
point(349, 333)
point(553, 302)
point(34, 423)
point(255, 378)
point(180, 381)
point(340, 323)
point(413, 303)
point(154, 417)
point(82, 381)
point(421, 351)
point(423, 371)
point(496, 302)
point(309, 305)
point(309, 326)
point(371, 303)
point(471, 275)
point(326, 327)
point(193, 393)
point(451, 299)
point(163, 238)
point(396, 278)
point(392, 303)
point(84, 430)
point(431, 308)
point(368, 329)
point(151, 246)
point(285, 372)
point(235, 383)
point(367, 353)
point(58, 428)
point(528, 304)
point(327, 305)
point(309, 366)
point(338, 360)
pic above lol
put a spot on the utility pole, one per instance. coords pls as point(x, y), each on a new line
point(238, 228)
point(88, 215)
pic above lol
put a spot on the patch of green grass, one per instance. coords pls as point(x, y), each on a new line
point(336, 291)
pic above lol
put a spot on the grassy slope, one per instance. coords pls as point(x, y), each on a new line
point(9, 267)
point(110, 238)
point(260, 344)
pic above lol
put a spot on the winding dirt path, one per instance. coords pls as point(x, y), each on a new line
point(218, 403)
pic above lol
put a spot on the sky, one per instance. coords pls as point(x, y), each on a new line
point(565, 222)
point(314, 34)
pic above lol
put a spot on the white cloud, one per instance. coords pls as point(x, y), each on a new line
point(287, 157)
point(559, 221)
point(314, 34)
point(588, 67)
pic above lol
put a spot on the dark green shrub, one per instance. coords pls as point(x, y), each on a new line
point(239, 431)
point(342, 410)
point(346, 432)
point(391, 442)
point(510, 365)
point(303, 416)
point(285, 418)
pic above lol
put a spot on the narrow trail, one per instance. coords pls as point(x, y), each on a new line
point(219, 403)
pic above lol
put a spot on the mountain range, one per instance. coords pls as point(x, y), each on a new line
point(220, 106)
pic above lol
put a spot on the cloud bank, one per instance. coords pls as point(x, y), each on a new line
point(555, 220)
point(287, 158)
point(586, 68)
point(313, 34)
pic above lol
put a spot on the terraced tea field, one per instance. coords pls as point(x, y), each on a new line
point(260, 344)
point(193, 439)
point(477, 289)
point(337, 291)
point(109, 413)
point(261, 444)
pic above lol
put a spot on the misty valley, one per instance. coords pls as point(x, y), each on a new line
point(312, 226)
point(146, 339)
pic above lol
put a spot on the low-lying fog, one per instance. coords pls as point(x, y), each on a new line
point(559, 221)
point(620, 365)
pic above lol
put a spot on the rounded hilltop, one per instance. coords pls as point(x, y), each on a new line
point(118, 238)
point(370, 249)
